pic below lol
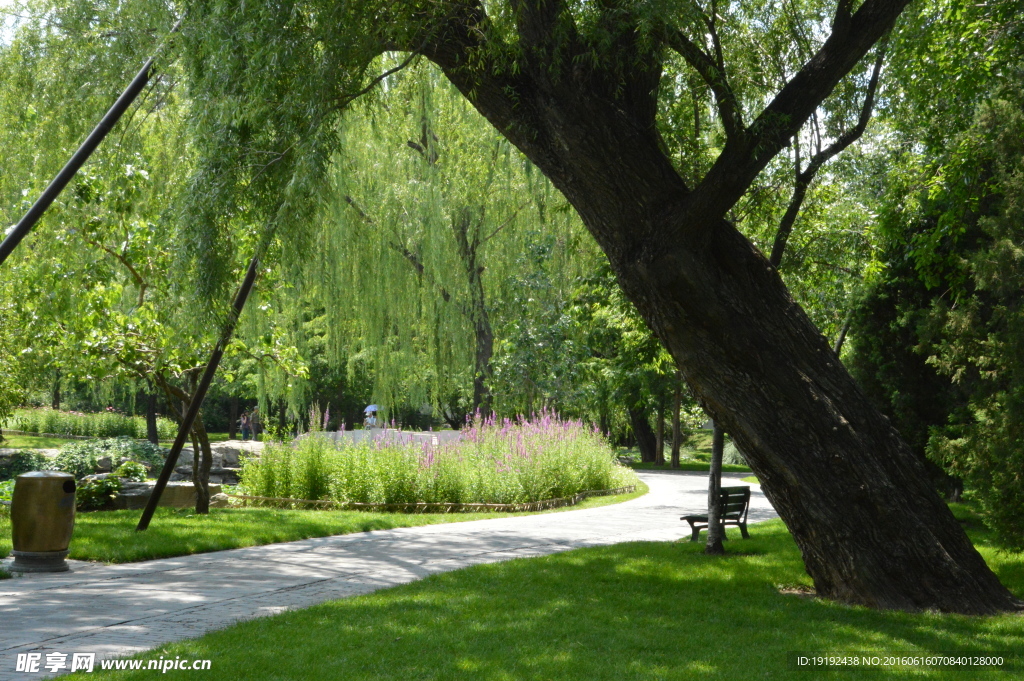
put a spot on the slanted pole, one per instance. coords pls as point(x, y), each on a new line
point(196, 402)
point(56, 186)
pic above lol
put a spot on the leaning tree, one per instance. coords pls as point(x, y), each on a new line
point(576, 87)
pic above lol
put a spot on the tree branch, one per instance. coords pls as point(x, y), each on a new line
point(139, 281)
point(743, 158)
point(804, 179)
point(711, 73)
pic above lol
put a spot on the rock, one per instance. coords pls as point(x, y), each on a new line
point(97, 476)
point(103, 464)
point(219, 501)
point(135, 495)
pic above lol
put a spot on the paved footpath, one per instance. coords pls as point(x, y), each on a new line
point(115, 610)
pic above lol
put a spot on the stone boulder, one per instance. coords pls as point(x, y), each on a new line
point(135, 495)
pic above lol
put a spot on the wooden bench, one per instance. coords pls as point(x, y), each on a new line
point(734, 502)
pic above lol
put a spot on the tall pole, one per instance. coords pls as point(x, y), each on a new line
point(196, 402)
point(56, 186)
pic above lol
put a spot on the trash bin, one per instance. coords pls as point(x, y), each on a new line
point(42, 519)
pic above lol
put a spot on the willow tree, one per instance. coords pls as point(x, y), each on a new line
point(576, 87)
point(429, 216)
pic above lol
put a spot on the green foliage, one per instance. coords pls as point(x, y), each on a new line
point(131, 471)
point(96, 495)
point(493, 463)
point(80, 458)
point(24, 461)
point(939, 344)
point(100, 424)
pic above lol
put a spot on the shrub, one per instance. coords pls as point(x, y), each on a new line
point(493, 463)
point(99, 424)
point(96, 495)
point(132, 471)
point(23, 461)
point(79, 458)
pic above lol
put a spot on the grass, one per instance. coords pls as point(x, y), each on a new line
point(695, 455)
point(34, 441)
point(630, 611)
point(214, 437)
point(751, 479)
point(689, 466)
point(110, 536)
point(96, 424)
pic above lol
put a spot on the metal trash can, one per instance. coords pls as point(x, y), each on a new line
point(42, 519)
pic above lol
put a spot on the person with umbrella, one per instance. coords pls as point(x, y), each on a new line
point(370, 421)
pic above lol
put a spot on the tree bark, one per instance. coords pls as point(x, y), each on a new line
point(468, 240)
point(716, 531)
point(202, 453)
point(152, 432)
point(233, 419)
point(871, 529)
point(677, 430)
point(55, 398)
point(202, 462)
point(659, 437)
point(644, 434)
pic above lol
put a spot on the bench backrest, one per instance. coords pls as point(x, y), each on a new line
point(734, 502)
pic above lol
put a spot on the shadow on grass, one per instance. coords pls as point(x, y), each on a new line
point(110, 536)
point(630, 611)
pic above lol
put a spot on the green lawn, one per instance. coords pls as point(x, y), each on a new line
point(632, 611)
point(695, 454)
point(15, 441)
point(214, 437)
point(689, 466)
point(34, 441)
point(110, 536)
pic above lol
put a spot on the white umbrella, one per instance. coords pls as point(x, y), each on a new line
point(372, 407)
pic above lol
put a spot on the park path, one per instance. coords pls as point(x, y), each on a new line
point(116, 610)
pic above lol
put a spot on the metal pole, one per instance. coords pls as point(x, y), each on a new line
point(197, 399)
point(56, 186)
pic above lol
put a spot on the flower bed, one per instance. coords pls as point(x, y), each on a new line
point(492, 463)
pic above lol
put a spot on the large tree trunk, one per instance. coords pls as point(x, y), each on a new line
point(871, 529)
point(716, 531)
point(644, 434)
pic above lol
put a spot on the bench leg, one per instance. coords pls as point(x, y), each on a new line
point(696, 531)
point(743, 529)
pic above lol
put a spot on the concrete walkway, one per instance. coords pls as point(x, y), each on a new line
point(115, 610)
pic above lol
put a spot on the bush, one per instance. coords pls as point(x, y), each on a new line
point(23, 461)
point(492, 463)
point(131, 471)
point(100, 424)
point(731, 454)
point(97, 495)
point(79, 458)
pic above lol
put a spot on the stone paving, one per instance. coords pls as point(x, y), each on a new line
point(116, 610)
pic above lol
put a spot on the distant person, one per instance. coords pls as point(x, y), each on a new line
point(254, 422)
point(246, 425)
point(371, 420)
